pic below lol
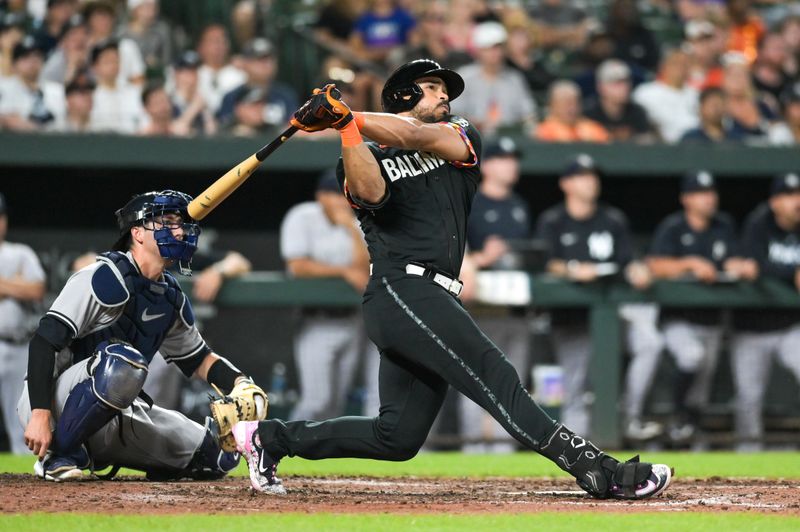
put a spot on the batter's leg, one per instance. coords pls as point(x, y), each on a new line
point(410, 395)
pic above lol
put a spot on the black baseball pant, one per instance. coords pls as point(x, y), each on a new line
point(427, 341)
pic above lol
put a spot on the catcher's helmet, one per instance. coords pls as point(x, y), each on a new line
point(401, 93)
point(149, 205)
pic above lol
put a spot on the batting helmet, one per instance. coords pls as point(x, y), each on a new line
point(149, 205)
point(401, 93)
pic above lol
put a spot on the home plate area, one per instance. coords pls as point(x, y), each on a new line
point(134, 495)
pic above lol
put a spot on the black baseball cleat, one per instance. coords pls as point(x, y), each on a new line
point(601, 475)
point(634, 480)
point(263, 467)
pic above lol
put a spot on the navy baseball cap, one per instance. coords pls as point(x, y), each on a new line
point(787, 183)
point(698, 180)
point(582, 164)
point(501, 147)
point(328, 182)
point(258, 48)
point(12, 20)
point(188, 59)
point(3, 205)
point(26, 47)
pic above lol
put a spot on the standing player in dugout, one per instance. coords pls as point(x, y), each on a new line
point(412, 190)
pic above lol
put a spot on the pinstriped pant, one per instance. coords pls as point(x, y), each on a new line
point(427, 341)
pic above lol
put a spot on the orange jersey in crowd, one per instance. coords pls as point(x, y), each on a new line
point(584, 130)
point(745, 38)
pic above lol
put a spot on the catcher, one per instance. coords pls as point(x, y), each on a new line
point(82, 406)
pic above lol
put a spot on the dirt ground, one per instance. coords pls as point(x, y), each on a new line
point(23, 493)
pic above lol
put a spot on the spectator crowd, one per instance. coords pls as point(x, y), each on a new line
point(695, 71)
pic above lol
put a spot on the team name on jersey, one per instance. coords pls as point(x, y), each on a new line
point(411, 165)
point(787, 254)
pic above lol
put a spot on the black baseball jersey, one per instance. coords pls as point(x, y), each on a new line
point(423, 216)
point(603, 238)
point(778, 255)
point(508, 218)
point(674, 238)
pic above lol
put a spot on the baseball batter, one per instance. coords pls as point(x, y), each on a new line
point(82, 406)
point(412, 190)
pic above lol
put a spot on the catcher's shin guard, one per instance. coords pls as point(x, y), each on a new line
point(116, 379)
point(603, 476)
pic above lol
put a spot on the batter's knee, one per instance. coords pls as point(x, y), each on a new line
point(398, 445)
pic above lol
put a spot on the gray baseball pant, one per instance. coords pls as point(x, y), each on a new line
point(153, 437)
point(13, 366)
point(751, 361)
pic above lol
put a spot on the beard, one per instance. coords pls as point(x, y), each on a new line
point(431, 115)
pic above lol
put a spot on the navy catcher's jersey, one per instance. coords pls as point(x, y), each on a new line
point(423, 217)
point(508, 219)
point(674, 238)
point(778, 255)
point(111, 299)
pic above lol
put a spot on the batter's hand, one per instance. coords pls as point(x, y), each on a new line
point(323, 110)
point(38, 435)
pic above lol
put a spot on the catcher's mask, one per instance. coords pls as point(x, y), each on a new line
point(401, 92)
point(151, 207)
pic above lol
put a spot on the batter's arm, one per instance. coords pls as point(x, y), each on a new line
point(412, 134)
point(364, 180)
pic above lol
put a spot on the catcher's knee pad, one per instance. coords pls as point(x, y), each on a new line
point(117, 377)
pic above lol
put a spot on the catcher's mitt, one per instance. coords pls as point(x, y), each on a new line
point(246, 402)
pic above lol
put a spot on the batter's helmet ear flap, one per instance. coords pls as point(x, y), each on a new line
point(401, 99)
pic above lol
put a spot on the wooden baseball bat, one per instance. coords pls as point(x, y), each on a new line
point(220, 189)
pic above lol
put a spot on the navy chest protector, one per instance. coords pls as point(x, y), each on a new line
point(150, 308)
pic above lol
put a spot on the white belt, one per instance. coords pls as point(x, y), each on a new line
point(454, 286)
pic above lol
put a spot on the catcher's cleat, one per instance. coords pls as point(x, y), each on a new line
point(263, 467)
point(56, 468)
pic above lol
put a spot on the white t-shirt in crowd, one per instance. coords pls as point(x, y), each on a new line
point(671, 111)
point(117, 110)
point(45, 105)
point(215, 84)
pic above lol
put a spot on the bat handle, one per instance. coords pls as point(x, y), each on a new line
point(264, 152)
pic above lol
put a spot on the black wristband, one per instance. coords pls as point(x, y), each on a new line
point(223, 374)
point(41, 361)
